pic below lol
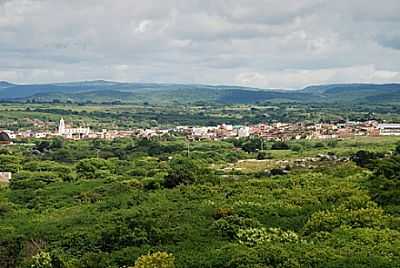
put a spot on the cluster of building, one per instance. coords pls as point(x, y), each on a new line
point(291, 131)
point(275, 131)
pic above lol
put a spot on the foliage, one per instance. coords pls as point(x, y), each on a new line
point(262, 155)
point(254, 236)
point(184, 171)
point(93, 168)
point(156, 260)
point(364, 158)
point(279, 145)
point(384, 184)
point(112, 202)
point(42, 260)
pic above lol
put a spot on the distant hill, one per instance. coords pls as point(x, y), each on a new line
point(356, 92)
point(4, 84)
point(102, 91)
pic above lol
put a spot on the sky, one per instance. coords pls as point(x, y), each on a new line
point(261, 43)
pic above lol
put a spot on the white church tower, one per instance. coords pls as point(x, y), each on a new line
point(61, 127)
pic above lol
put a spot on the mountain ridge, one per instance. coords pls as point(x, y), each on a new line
point(102, 90)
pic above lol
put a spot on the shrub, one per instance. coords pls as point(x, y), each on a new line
point(328, 221)
point(364, 158)
point(254, 236)
point(184, 171)
point(156, 260)
point(279, 171)
point(92, 168)
point(280, 145)
point(230, 225)
point(41, 260)
point(384, 184)
point(319, 145)
point(332, 143)
point(296, 148)
point(134, 183)
point(263, 155)
point(152, 183)
point(222, 213)
point(33, 180)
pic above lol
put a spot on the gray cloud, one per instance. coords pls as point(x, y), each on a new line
point(265, 43)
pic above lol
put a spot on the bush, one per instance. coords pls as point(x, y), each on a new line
point(222, 213)
point(296, 148)
point(229, 226)
point(156, 260)
point(319, 145)
point(152, 183)
point(184, 171)
point(328, 221)
point(364, 158)
point(280, 145)
point(33, 180)
point(332, 143)
point(264, 155)
point(384, 184)
point(92, 168)
point(279, 171)
point(42, 260)
point(254, 236)
point(10, 163)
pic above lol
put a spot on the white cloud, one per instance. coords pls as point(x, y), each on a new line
point(287, 43)
point(302, 78)
point(143, 26)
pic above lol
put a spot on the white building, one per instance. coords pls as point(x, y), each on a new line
point(389, 129)
point(71, 132)
point(5, 177)
point(40, 135)
point(199, 132)
point(204, 132)
point(243, 132)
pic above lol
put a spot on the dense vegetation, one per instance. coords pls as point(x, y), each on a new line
point(151, 203)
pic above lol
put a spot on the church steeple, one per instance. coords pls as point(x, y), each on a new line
point(61, 127)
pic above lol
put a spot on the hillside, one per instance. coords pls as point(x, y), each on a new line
point(356, 92)
point(101, 91)
point(92, 204)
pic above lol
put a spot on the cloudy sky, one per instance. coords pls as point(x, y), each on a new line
point(263, 43)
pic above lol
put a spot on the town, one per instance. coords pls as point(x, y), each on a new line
point(274, 131)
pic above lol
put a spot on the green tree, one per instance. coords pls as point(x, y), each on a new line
point(280, 145)
point(364, 158)
point(93, 168)
point(184, 171)
point(384, 184)
point(57, 143)
point(10, 163)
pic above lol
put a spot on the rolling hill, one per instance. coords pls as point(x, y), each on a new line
point(103, 91)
